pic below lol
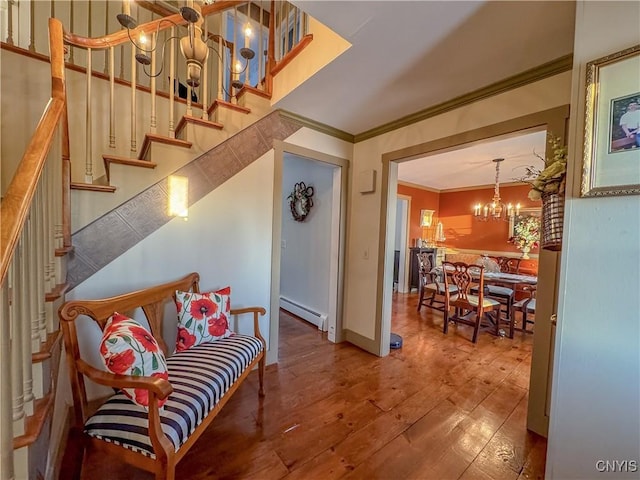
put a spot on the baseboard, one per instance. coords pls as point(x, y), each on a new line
point(318, 319)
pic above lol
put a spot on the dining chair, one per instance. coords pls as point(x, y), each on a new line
point(470, 309)
point(508, 264)
point(505, 294)
point(431, 289)
point(526, 306)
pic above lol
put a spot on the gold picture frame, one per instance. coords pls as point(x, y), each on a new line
point(611, 163)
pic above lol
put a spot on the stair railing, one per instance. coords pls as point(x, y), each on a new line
point(110, 57)
point(32, 230)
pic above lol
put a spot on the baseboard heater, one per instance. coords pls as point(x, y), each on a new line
point(302, 311)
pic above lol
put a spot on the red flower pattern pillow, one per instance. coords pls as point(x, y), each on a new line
point(127, 348)
point(202, 317)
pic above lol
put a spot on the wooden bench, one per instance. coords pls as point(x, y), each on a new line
point(159, 437)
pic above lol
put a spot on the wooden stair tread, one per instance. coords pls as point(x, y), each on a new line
point(57, 292)
point(132, 162)
point(92, 187)
point(231, 106)
point(153, 137)
point(196, 121)
point(129, 161)
point(43, 408)
point(47, 347)
point(253, 91)
point(62, 251)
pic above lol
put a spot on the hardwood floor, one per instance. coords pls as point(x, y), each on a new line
point(438, 408)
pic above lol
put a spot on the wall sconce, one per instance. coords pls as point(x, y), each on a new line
point(426, 217)
point(179, 196)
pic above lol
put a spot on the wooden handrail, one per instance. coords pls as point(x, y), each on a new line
point(159, 24)
point(17, 200)
point(19, 196)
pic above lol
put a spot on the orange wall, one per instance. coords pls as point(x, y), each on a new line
point(462, 230)
point(420, 200)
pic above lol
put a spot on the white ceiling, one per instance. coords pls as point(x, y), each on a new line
point(407, 56)
point(473, 165)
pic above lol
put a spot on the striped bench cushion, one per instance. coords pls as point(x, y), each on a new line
point(200, 377)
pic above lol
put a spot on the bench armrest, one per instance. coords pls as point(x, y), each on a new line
point(256, 324)
point(159, 387)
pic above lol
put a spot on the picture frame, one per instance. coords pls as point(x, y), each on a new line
point(611, 162)
point(524, 213)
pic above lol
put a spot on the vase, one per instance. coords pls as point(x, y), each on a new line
point(525, 252)
point(552, 218)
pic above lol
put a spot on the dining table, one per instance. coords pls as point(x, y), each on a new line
point(499, 277)
point(510, 278)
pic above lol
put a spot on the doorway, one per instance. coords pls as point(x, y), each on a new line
point(308, 253)
point(554, 120)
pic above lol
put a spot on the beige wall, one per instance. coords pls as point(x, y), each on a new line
point(324, 48)
point(363, 294)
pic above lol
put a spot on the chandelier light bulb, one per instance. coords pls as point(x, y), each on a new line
point(143, 38)
point(247, 31)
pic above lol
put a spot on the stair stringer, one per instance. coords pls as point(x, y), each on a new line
point(106, 238)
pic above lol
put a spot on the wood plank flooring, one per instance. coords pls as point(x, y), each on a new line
point(438, 408)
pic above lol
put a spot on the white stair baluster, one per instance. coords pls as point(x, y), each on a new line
point(17, 385)
point(134, 78)
point(153, 125)
point(88, 174)
point(112, 100)
point(6, 427)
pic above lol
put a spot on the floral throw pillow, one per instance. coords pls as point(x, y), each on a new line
point(127, 348)
point(202, 317)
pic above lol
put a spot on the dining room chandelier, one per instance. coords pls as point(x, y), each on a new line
point(194, 49)
point(496, 209)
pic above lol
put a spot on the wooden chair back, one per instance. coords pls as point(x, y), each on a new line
point(464, 277)
point(509, 264)
point(426, 262)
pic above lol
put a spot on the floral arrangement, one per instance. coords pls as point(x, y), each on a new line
point(526, 233)
point(551, 179)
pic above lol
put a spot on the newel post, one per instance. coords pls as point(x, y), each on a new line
point(58, 90)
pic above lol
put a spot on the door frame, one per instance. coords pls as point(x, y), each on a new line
point(338, 248)
point(403, 271)
point(555, 120)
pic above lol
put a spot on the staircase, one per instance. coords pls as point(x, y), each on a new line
point(146, 212)
point(60, 222)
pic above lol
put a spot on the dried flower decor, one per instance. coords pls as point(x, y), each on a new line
point(551, 179)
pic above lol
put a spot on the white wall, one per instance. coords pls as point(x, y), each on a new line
point(595, 408)
point(227, 239)
point(306, 246)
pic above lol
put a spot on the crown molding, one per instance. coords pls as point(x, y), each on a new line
point(419, 187)
point(482, 187)
point(554, 67)
point(320, 127)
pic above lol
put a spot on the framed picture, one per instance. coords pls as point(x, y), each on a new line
point(611, 164)
point(524, 214)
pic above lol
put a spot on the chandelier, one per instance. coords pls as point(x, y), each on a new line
point(496, 209)
point(194, 49)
